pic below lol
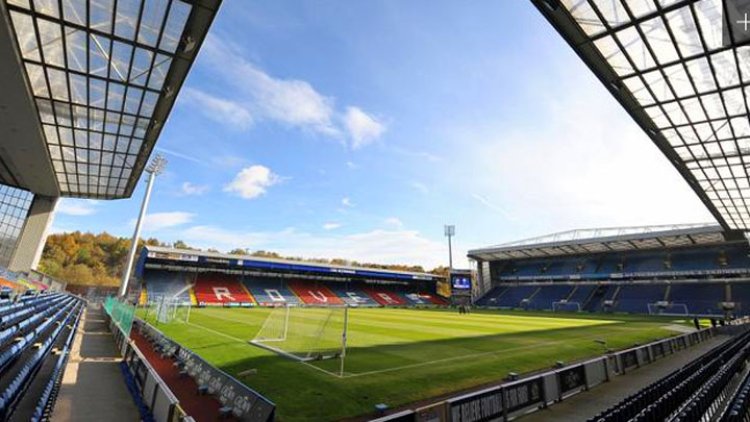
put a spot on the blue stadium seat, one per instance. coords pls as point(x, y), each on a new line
point(700, 298)
point(547, 295)
point(270, 292)
point(634, 298)
point(491, 298)
point(582, 293)
point(165, 284)
point(352, 295)
point(741, 298)
point(513, 295)
point(600, 293)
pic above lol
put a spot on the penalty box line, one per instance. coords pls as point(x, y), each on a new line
point(413, 365)
point(245, 342)
point(471, 355)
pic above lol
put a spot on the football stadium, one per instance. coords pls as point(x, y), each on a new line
point(633, 323)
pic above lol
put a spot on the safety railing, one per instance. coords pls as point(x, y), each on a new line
point(154, 392)
point(512, 399)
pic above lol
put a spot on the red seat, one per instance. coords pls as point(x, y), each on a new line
point(385, 297)
point(314, 294)
point(219, 289)
point(434, 299)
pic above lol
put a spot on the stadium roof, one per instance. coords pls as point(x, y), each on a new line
point(681, 77)
point(189, 255)
point(88, 85)
point(587, 241)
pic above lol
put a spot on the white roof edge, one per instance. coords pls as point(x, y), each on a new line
point(279, 260)
point(602, 235)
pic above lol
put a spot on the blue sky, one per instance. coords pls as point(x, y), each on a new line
point(357, 129)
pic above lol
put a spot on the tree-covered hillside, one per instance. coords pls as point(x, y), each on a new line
point(98, 259)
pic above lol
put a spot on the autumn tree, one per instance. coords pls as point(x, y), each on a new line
point(99, 259)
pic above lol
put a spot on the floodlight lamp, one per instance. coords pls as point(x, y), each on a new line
point(157, 165)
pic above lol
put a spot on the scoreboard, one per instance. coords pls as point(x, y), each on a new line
point(461, 285)
point(461, 281)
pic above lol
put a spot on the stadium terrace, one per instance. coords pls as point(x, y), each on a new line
point(680, 270)
point(208, 278)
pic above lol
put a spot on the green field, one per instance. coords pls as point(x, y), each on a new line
point(398, 356)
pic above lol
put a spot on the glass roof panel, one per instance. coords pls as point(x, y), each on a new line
point(97, 70)
point(677, 76)
point(585, 15)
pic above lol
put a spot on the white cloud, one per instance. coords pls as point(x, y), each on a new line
point(420, 155)
point(487, 203)
point(293, 102)
point(393, 222)
point(363, 128)
point(182, 155)
point(188, 188)
point(381, 246)
point(331, 226)
point(226, 112)
point(164, 220)
point(421, 187)
point(226, 161)
point(252, 182)
point(347, 202)
point(290, 101)
point(352, 165)
point(76, 207)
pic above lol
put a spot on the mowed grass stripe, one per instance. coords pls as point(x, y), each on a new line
point(478, 317)
point(407, 354)
point(405, 327)
point(397, 356)
point(405, 332)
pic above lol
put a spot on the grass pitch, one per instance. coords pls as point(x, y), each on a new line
point(398, 356)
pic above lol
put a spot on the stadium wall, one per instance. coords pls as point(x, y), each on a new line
point(247, 404)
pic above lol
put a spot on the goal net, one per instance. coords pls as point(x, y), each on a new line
point(167, 311)
point(565, 306)
point(305, 333)
point(666, 308)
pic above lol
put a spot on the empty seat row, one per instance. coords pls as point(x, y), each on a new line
point(738, 409)
point(683, 262)
point(678, 392)
point(22, 376)
point(675, 298)
point(22, 341)
point(223, 289)
point(43, 406)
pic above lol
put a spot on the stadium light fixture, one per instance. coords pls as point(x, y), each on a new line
point(450, 231)
point(154, 168)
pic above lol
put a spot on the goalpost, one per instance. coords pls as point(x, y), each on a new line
point(565, 306)
point(666, 308)
point(168, 310)
point(306, 333)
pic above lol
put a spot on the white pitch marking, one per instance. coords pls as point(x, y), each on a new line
point(217, 332)
point(245, 342)
point(494, 352)
point(414, 365)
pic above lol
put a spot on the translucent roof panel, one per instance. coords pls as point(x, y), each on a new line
point(99, 72)
point(588, 241)
point(683, 75)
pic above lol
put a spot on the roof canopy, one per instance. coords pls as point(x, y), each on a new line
point(102, 76)
point(681, 78)
point(189, 257)
point(617, 239)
